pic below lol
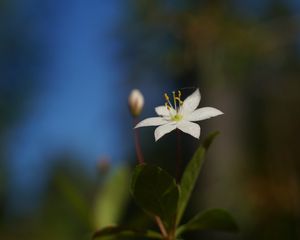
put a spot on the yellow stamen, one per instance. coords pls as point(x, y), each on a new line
point(167, 105)
point(178, 98)
point(174, 100)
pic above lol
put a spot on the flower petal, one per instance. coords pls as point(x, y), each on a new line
point(191, 102)
point(164, 129)
point(190, 128)
point(202, 114)
point(153, 121)
point(162, 111)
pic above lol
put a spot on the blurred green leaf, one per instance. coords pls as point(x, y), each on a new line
point(156, 192)
point(191, 173)
point(112, 199)
point(75, 197)
point(212, 219)
point(116, 231)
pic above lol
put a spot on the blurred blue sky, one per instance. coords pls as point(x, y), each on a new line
point(79, 91)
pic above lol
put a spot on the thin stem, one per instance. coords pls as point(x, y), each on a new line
point(178, 156)
point(138, 148)
point(161, 227)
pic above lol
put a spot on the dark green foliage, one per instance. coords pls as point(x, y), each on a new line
point(213, 219)
point(125, 232)
point(156, 192)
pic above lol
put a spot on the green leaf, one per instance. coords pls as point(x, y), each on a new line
point(112, 198)
point(213, 219)
point(156, 192)
point(190, 175)
point(209, 139)
point(116, 231)
point(75, 198)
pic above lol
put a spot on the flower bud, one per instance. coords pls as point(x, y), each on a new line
point(136, 102)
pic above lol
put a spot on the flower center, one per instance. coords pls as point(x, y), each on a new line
point(176, 118)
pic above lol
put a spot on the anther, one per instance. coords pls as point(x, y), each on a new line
point(167, 105)
point(179, 101)
point(179, 98)
point(167, 97)
point(179, 94)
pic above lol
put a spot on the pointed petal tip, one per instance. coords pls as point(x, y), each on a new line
point(197, 136)
point(221, 113)
point(191, 102)
point(156, 137)
point(203, 113)
point(153, 121)
point(197, 93)
point(137, 125)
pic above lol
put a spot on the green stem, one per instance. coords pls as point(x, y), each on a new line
point(178, 156)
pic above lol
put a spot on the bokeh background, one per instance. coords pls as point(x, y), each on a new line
point(66, 139)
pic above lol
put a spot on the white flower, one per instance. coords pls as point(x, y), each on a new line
point(181, 116)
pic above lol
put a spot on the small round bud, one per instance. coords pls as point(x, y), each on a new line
point(136, 102)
